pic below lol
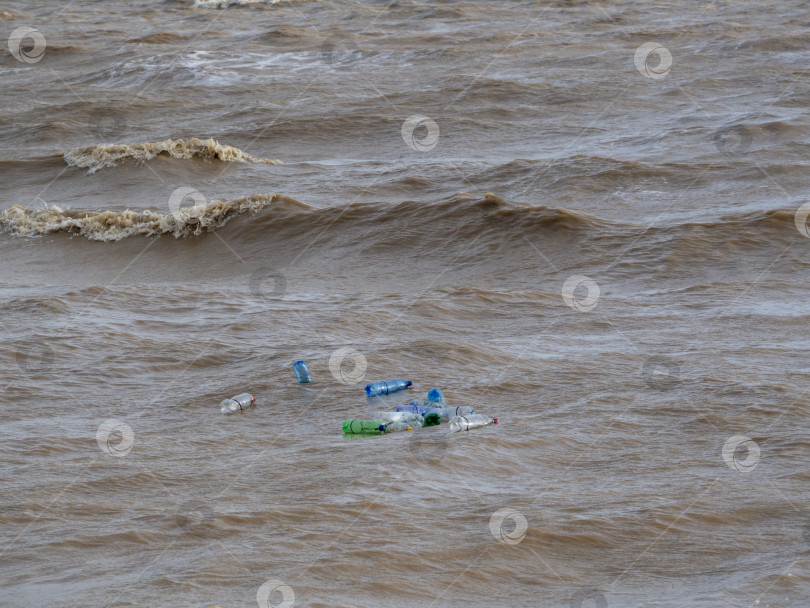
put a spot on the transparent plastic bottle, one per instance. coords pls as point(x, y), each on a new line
point(237, 404)
point(393, 427)
point(465, 423)
point(448, 412)
point(410, 418)
point(414, 407)
point(387, 387)
point(302, 372)
point(362, 427)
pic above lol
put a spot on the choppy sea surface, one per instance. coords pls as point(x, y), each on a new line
point(585, 218)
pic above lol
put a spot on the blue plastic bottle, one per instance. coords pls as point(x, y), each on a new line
point(434, 398)
point(388, 387)
point(414, 407)
point(302, 372)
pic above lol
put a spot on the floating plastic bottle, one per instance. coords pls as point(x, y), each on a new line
point(410, 418)
point(414, 407)
point(362, 427)
point(302, 372)
point(387, 387)
point(465, 423)
point(434, 397)
point(237, 404)
point(432, 419)
point(448, 412)
point(444, 412)
point(393, 427)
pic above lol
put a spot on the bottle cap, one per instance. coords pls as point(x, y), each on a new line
point(494, 421)
point(382, 427)
point(410, 383)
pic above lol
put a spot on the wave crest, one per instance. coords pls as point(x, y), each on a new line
point(94, 158)
point(114, 226)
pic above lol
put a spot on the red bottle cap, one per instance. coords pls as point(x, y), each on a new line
point(495, 421)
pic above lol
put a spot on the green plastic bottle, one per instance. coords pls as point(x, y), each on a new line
point(432, 419)
point(362, 427)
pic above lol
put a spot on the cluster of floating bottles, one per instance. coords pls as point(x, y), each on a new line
point(431, 411)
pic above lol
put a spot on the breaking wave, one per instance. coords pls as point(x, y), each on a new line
point(114, 225)
point(94, 158)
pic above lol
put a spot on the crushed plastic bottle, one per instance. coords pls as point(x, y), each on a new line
point(302, 372)
point(474, 421)
point(237, 404)
point(362, 427)
point(410, 418)
point(414, 407)
point(385, 388)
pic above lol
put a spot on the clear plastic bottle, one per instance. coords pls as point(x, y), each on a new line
point(302, 372)
point(410, 418)
point(414, 407)
point(448, 412)
point(237, 404)
point(387, 387)
point(465, 423)
point(362, 427)
point(393, 427)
